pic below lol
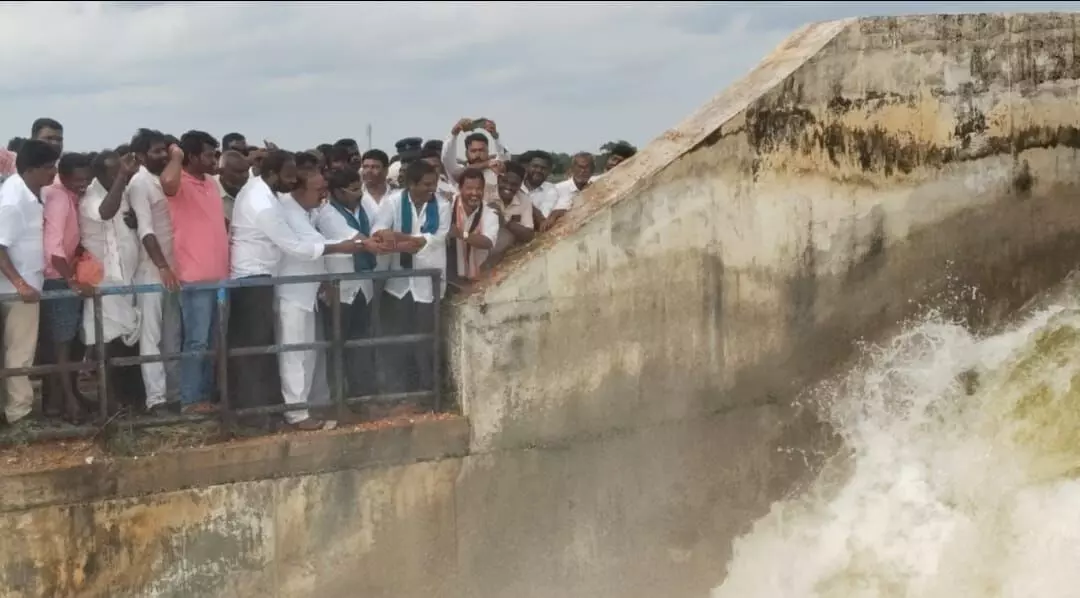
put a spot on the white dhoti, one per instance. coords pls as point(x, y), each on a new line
point(296, 325)
point(116, 249)
point(320, 386)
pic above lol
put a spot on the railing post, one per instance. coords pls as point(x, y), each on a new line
point(436, 365)
point(375, 331)
point(102, 359)
point(222, 357)
point(337, 349)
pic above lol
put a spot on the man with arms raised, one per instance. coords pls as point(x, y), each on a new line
point(160, 312)
point(477, 153)
point(201, 251)
point(110, 240)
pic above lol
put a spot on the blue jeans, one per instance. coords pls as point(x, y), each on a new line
point(199, 311)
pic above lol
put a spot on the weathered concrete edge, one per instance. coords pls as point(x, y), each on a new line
point(242, 462)
point(795, 51)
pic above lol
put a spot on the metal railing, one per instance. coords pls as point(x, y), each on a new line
point(336, 345)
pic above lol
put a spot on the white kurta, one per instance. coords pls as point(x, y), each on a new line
point(332, 224)
point(303, 375)
point(431, 256)
point(116, 248)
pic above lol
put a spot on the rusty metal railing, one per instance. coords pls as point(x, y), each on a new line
point(336, 345)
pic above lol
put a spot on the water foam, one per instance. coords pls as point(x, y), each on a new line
point(959, 477)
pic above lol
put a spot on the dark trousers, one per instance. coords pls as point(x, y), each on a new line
point(409, 368)
point(359, 363)
point(253, 380)
point(126, 381)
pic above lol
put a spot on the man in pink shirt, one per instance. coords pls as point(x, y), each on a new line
point(62, 317)
point(201, 253)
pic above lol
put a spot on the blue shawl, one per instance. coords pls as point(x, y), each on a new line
point(431, 222)
point(362, 261)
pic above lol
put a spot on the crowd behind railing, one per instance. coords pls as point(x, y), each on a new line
point(182, 279)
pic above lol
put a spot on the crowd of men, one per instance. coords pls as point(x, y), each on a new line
point(178, 212)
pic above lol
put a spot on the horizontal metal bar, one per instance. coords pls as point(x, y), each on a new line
point(401, 339)
point(239, 283)
point(52, 368)
point(9, 438)
point(151, 421)
point(163, 357)
point(382, 341)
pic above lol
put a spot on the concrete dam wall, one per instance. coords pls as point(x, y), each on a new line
point(627, 384)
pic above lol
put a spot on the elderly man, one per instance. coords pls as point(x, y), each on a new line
point(109, 239)
point(233, 174)
point(295, 304)
point(260, 237)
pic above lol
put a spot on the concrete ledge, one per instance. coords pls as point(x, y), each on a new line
point(257, 459)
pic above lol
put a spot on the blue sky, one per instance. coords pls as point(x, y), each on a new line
point(564, 76)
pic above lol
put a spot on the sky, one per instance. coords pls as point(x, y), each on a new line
point(561, 76)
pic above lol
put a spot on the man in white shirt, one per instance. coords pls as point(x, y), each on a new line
point(474, 231)
point(160, 325)
point(582, 166)
point(480, 152)
point(414, 223)
point(22, 263)
point(548, 205)
point(260, 236)
point(296, 304)
point(351, 212)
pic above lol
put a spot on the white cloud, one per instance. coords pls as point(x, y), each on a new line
point(557, 75)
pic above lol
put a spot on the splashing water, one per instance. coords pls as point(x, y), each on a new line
point(960, 476)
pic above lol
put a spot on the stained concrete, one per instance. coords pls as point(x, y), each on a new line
point(628, 381)
point(866, 168)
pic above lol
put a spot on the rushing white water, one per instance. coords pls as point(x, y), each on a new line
point(960, 476)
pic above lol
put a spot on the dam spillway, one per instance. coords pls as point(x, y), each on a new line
point(628, 386)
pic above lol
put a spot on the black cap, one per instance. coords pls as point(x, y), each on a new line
point(409, 155)
point(433, 144)
point(409, 144)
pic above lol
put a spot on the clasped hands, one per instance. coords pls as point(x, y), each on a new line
point(388, 241)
